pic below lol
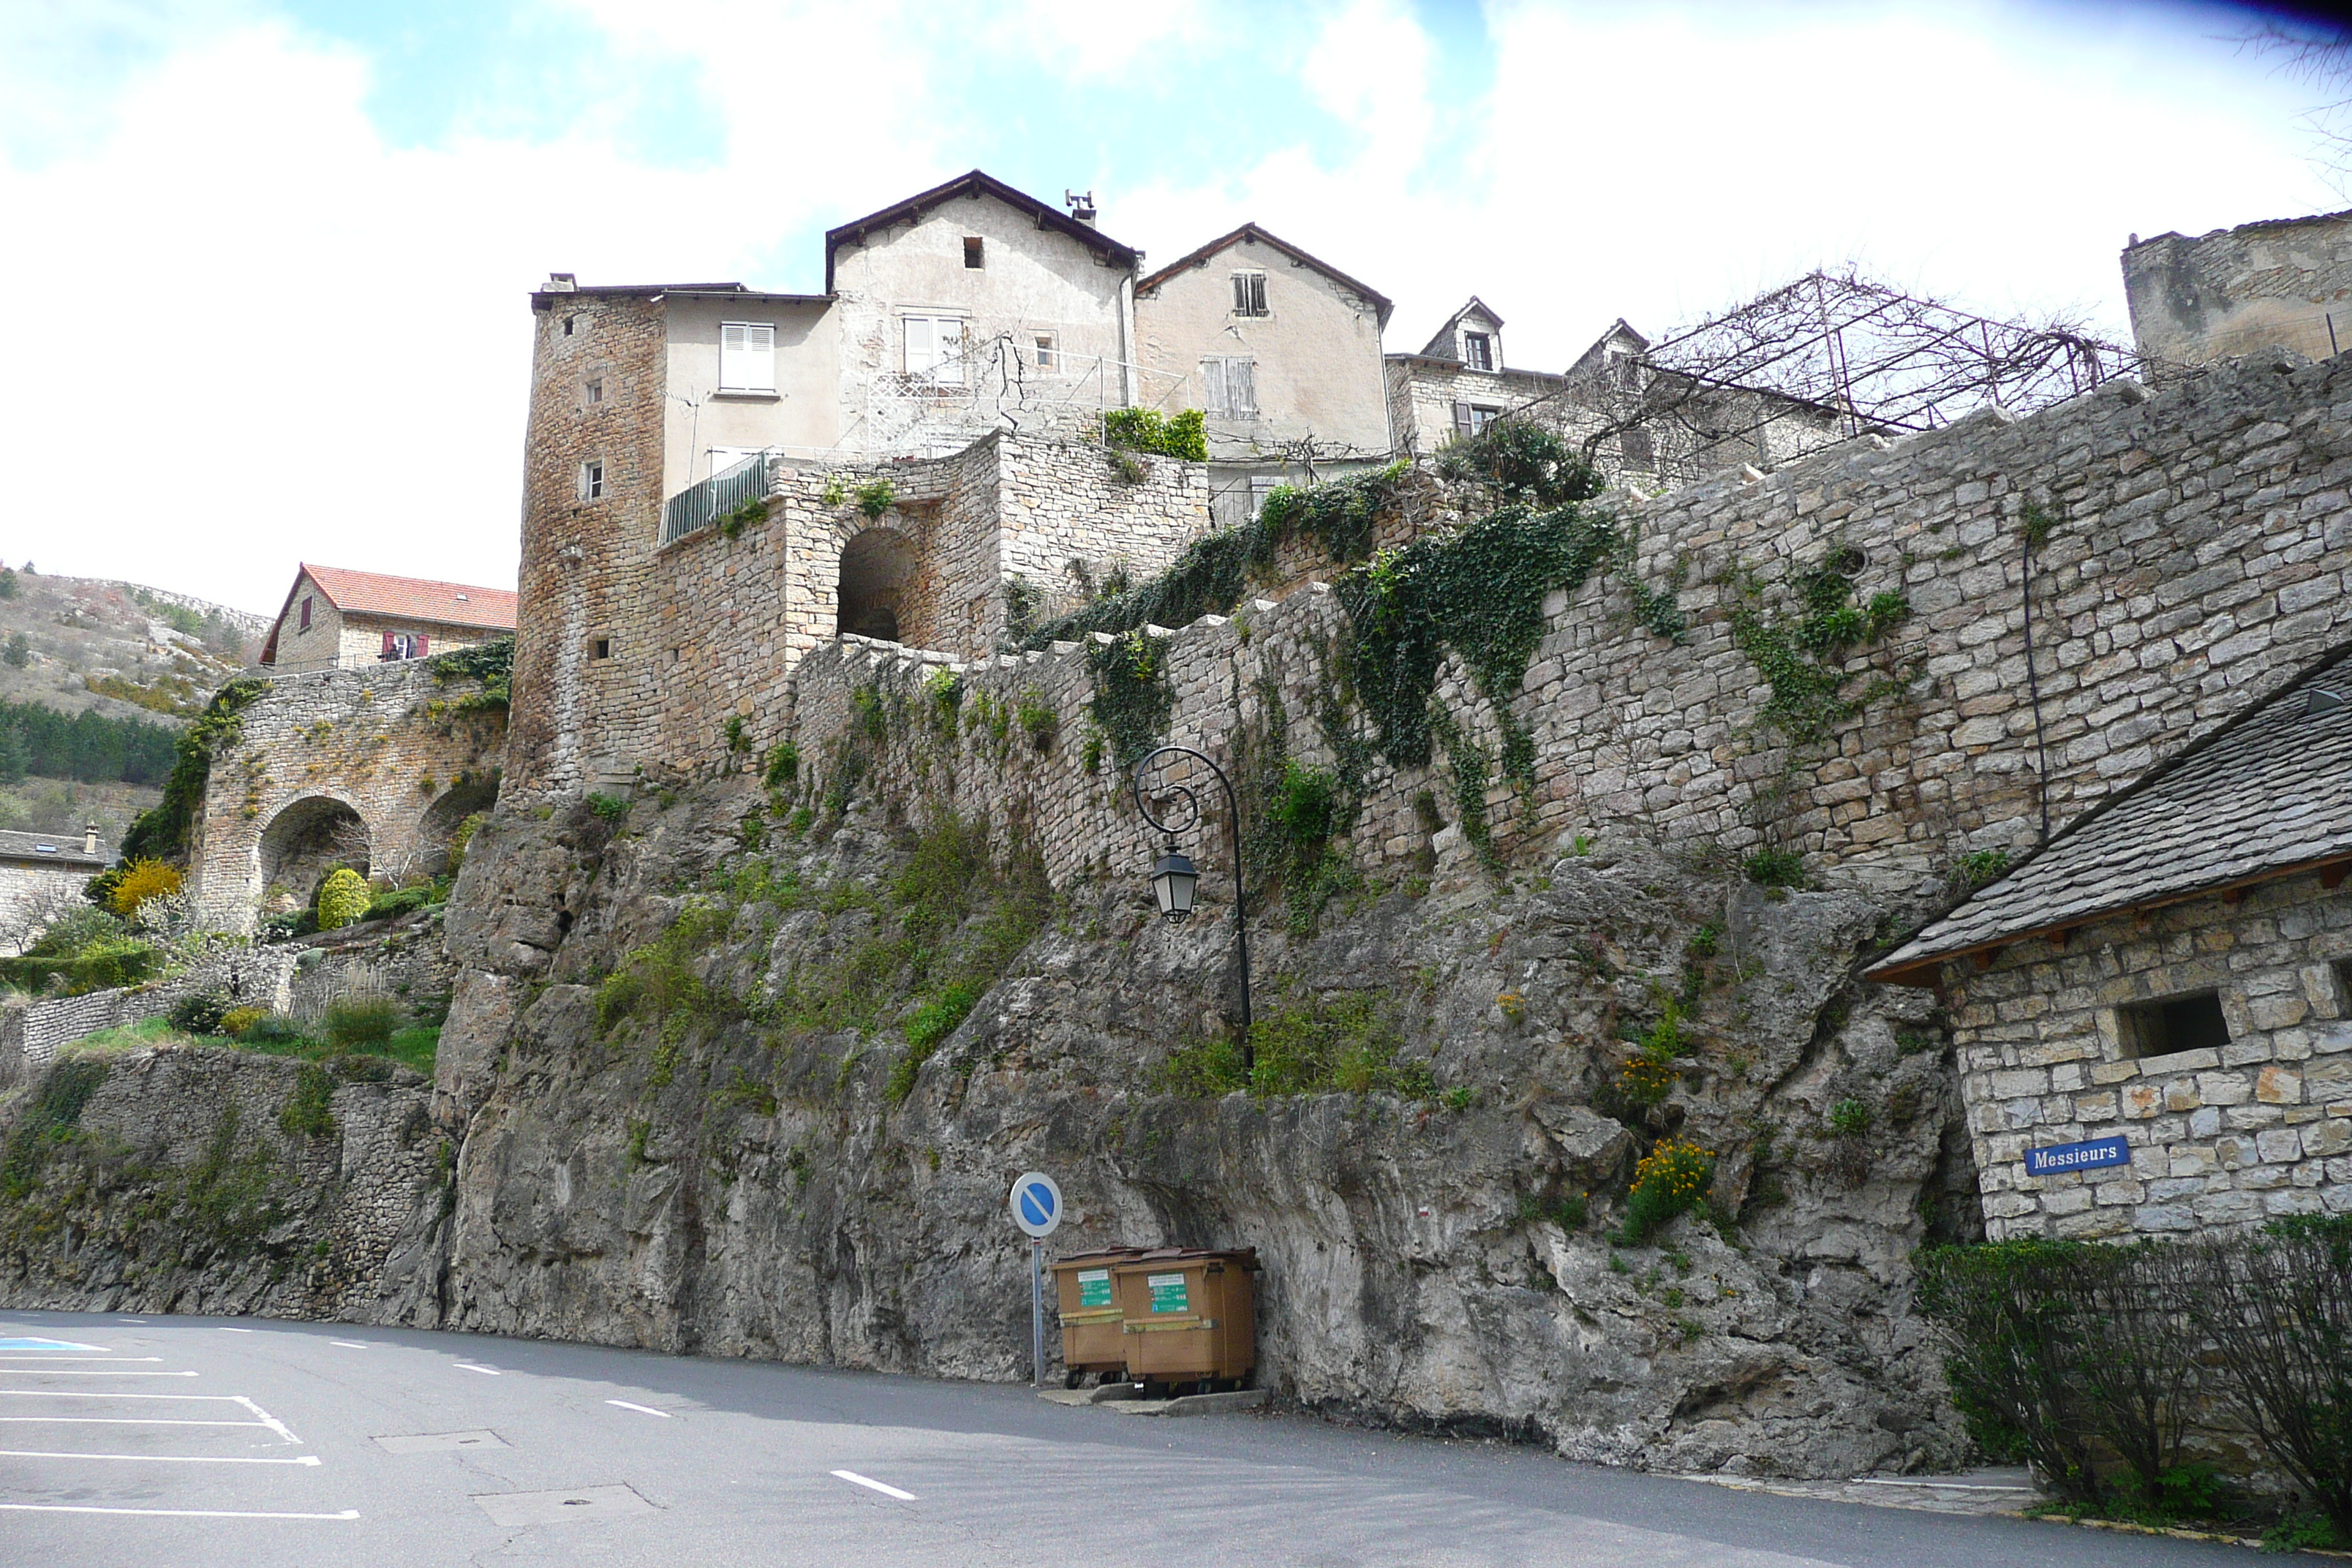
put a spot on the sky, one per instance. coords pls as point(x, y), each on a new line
point(320, 222)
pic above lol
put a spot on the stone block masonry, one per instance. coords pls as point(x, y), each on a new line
point(2189, 551)
point(369, 767)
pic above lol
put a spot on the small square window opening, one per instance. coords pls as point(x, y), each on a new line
point(596, 391)
point(1249, 294)
point(2343, 987)
point(2192, 1022)
point(306, 612)
point(592, 480)
point(974, 250)
point(1634, 446)
point(1478, 350)
point(1049, 358)
point(602, 647)
point(570, 322)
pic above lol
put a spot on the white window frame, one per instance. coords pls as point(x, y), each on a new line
point(1249, 292)
point(1218, 385)
point(1048, 349)
point(1483, 359)
point(749, 363)
point(931, 363)
point(592, 479)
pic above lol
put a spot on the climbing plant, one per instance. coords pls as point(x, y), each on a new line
point(1132, 695)
point(1147, 430)
point(1522, 462)
point(162, 831)
point(1803, 654)
point(492, 663)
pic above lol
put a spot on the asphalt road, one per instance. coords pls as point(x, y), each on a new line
point(200, 1441)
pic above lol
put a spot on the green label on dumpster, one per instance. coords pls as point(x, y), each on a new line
point(1167, 1292)
point(1094, 1287)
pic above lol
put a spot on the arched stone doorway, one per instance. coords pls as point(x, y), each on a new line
point(439, 823)
point(304, 842)
point(877, 569)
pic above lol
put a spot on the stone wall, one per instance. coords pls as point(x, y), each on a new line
point(2196, 551)
point(2259, 1128)
point(371, 767)
point(2285, 282)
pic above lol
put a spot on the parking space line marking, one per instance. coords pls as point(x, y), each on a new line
point(124, 1421)
point(485, 1371)
point(29, 1371)
point(268, 1420)
point(236, 1330)
point(856, 1480)
point(347, 1344)
point(47, 1345)
point(72, 1394)
point(642, 1409)
point(158, 1458)
point(44, 1360)
point(167, 1512)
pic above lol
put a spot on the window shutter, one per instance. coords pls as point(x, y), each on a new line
point(1240, 293)
point(1257, 294)
point(1213, 385)
point(387, 645)
point(1241, 383)
point(422, 643)
point(1462, 419)
point(306, 612)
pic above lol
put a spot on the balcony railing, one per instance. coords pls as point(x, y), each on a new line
point(700, 505)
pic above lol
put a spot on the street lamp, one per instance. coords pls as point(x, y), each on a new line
point(1175, 879)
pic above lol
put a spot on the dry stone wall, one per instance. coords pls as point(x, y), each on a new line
point(375, 766)
point(2191, 550)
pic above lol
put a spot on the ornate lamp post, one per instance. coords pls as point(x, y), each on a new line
point(1174, 879)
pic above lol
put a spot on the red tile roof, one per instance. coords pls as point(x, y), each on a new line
point(414, 598)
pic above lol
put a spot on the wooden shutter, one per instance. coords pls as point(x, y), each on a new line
point(306, 612)
point(387, 645)
point(1257, 293)
point(1240, 293)
point(1462, 419)
point(1241, 384)
point(1213, 385)
point(422, 642)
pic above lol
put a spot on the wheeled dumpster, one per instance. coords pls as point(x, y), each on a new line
point(1188, 1317)
point(1091, 1341)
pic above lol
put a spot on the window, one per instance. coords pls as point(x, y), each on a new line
point(1478, 350)
point(1229, 387)
point(747, 356)
point(405, 644)
point(1635, 449)
point(974, 250)
point(306, 612)
point(1261, 486)
point(935, 349)
point(569, 323)
point(2343, 987)
point(1049, 358)
point(1625, 371)
point(592, 480)
point(2189, 1022)
point(1249, 294)
point(594, 391)
point(1469, 418)
point(601, 649)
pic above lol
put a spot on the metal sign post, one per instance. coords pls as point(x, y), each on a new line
point(1036, 1205)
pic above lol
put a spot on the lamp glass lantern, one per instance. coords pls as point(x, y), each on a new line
point(1173, 883)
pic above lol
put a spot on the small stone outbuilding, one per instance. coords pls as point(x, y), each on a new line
point(2154, 1011)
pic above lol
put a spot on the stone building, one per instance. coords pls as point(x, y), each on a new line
point(335, 618)
point(2154, 1012)
point(40, 873)
point(1281, 353)
point(371, 768)
point(2284, 282)
point(1459, 383)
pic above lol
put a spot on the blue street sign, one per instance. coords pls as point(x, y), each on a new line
point(1037, 1203)
point(2061, 1158)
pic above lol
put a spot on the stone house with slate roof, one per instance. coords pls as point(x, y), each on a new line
point(36, 869)
point(2153, 1013)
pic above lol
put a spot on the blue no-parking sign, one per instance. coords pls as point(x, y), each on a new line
point(1036, 1205)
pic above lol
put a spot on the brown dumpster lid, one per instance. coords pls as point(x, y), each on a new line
point(1107, 1255)
point(1244, 1256)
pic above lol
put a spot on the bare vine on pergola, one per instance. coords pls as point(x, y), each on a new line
point(1839, 356)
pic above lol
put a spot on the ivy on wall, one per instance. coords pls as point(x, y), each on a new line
point(1132, 695)
point(1803, 654)
point(163, 832)
point(1147, 430)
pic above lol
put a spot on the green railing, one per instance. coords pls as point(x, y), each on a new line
point(700, 506)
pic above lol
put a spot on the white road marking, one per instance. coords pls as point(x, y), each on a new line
point(29, 1370)
point(262, 1417)
point(267, 1420)
point(75, 1393)
point(347, 1344)
point(124, 1421)
point(155, 1458)
point(236, 1330)
point(46, 1345)
point(44, 1360)
point(485, 1371)
point(856, 1480)
point(167, 1512)
point(642, 1409)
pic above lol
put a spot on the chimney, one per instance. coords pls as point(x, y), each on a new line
point(562, 283)
point(90, 837)
point(1082, 208)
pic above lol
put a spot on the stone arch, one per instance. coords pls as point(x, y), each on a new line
point(878, 567)
point(305, 841)
point(439, 823)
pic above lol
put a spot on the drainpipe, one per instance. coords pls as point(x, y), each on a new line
point(1128, 393)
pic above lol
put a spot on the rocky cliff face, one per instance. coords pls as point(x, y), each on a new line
point(692, 1119)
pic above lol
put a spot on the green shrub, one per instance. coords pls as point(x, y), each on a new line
point(286, 927)
point(609, 808)
point(1523, 461)
point(461, 838)
point(1037, 718)
point(344, 898)
point(308, 1111)
point(875, 496)
point(930, 1024)
point(400, 902)
point(237, 1021)
point(1671, 1180)
point(1775, 868)
point(1850, 1118)
point(272, 1030)
point(1568, 1211)
point(1345, 1044)
point(1147, 430)
point(362, 1022)
point(781, 764)
point(200, 1013)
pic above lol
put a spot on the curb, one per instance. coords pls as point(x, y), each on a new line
point(2125, 1527)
